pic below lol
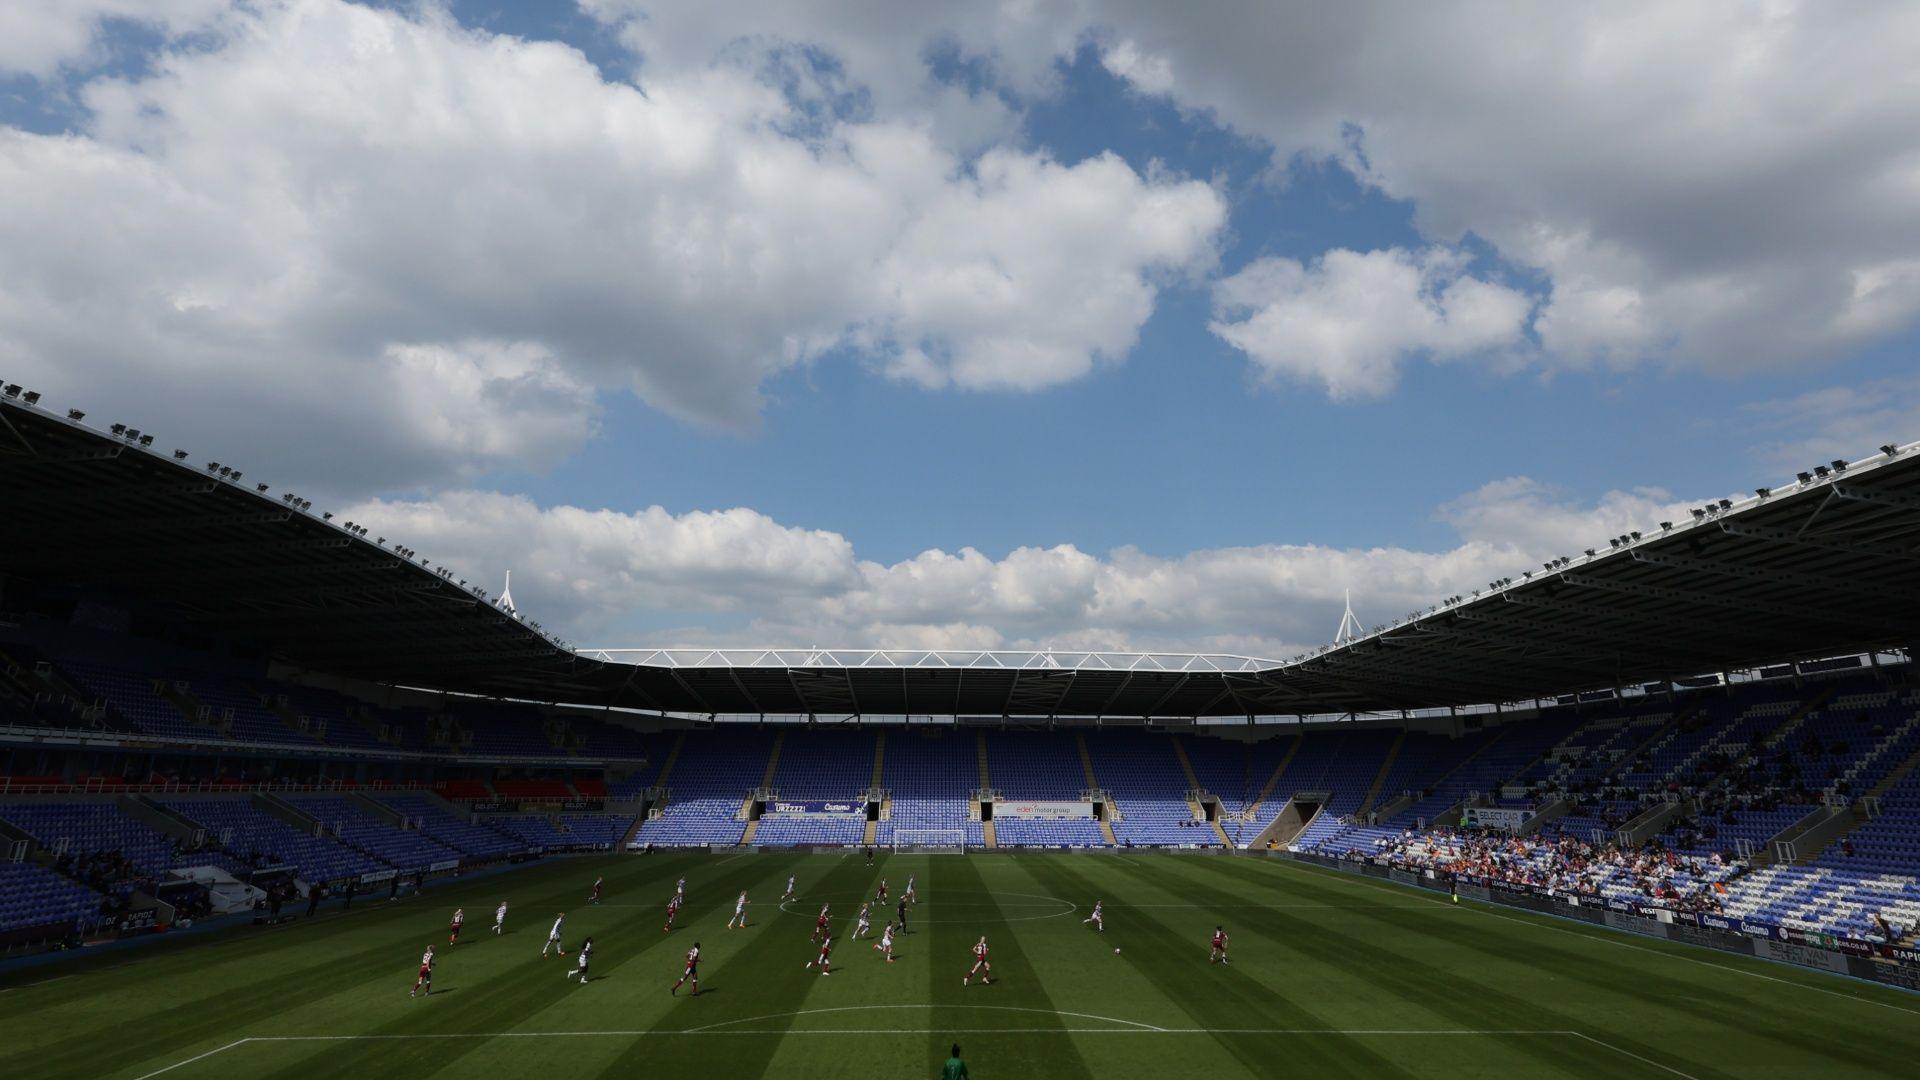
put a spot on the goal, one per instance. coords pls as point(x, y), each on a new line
point(933, 841)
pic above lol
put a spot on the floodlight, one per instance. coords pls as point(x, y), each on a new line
point(1666, 526)
point(1839, 464)
point(76, 415)
point(328, 516)
point(13, 389)
point(1763, 492)
point(1805, 478)
point(1589, 553)
point(146, 440)
point(32, 397)
point(119, 429)
point(1698, 513)
point(1886, 448)
point(179, 455)
point(1820, 471)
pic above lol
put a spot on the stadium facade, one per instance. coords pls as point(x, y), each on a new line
point(224, 687)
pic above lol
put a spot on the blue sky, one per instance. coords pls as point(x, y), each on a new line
point(1391, 326)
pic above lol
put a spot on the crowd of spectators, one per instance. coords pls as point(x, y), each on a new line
point(1564, 865)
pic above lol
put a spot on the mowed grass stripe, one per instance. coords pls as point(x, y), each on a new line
point(1749, 972)
point(1384, 987)
point(1291, 947)
point(1632, 999)
point(766, 977)
point(1616, 986)
point(358, 987)
point(1212, 995)
point(501, 984)
point(1016, 984)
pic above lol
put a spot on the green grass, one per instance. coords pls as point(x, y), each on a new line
point(1332, 976)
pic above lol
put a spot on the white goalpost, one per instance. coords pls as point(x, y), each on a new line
point(936, 841)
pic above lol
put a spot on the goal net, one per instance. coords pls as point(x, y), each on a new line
point(930, 840)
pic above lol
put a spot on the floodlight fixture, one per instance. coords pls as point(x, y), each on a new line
point(1804, 477)
point(117, 429)
point(179, 455)
point(13, 389)
point(76, 415)
point(32, 397)
point(146, 440)
point(1821, 471)
point(1889, 449)
point(1763, 492)
point(1839, 464)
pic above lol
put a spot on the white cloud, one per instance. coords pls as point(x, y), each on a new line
point(39, 37)
point(1348, 319)
point(1727, 185)
point(737, 577)
point(1847, 422)
point(1731, 185)
point(343, 214)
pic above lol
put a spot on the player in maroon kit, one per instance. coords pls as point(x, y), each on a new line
point(453, 928)
point(598, 882)
point(820, 924)
point(692, 974)
point(673, 911)
point(826, 964)
point(980, 965)
point(1219, 946)
point(882, 897)
point(425, 981)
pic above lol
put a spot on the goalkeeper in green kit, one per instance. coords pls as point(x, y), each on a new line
point(954, 1069)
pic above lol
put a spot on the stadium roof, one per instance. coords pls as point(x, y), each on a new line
point(1826, 564)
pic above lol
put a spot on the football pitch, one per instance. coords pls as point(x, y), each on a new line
point(1331, 976)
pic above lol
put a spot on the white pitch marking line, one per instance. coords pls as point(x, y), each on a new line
point(196, 1057)
point(1609, 939)
point(868, 1008)
point(1148, 1030)
point(1631, 1054)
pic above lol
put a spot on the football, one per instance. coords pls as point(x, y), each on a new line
point(1116, 952)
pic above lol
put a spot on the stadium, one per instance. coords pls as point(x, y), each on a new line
point(1606, 816)
point(761, 509)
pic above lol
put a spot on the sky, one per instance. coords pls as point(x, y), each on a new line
point(1115, 325)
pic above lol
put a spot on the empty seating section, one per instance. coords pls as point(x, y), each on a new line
point(33, 897)
point(1149, 789)
point(824, 765)
point(929, 775)
point(359, 828)
point(98, 825)
point(519, 732)
point(1039, 765)
point(455, 832)
point(132, 696)
point(708, 789)
point(249, 709)
point(1035, 765)
point(256, 837)
point(1496, 757)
